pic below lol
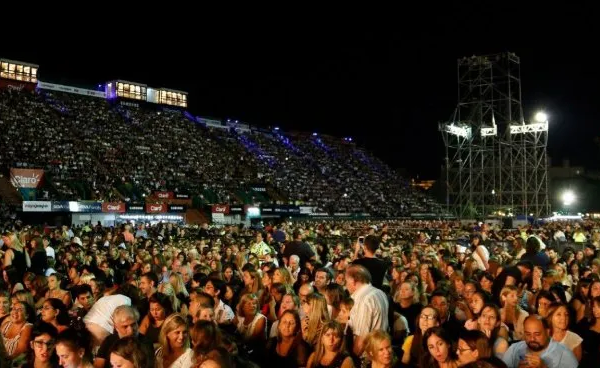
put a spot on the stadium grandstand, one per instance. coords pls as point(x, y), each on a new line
point(131, 143)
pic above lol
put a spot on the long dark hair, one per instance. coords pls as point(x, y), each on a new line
point(416, 349)
point(426, 359)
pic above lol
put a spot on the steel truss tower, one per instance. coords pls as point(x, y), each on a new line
point(495, 162)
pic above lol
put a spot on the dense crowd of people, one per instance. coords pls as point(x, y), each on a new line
point(89, 147)
point(304, 294)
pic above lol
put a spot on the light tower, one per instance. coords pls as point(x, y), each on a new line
point(494, 160)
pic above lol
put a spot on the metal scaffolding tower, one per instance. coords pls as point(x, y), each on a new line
point(495, 162)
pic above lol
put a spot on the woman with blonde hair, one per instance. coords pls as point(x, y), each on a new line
point(330, 350)
point(174, 340)
point(316, 315)
point(179, 286)
point(283, 276)
point(512, 314)
point(15, 255)
point(250, 324)
point(252, 283)
point(378, 349)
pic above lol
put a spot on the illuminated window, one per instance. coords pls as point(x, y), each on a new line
point(34, 75)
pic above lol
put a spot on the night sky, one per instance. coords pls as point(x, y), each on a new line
point(387, 85)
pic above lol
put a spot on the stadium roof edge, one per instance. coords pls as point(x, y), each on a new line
point(19, 62)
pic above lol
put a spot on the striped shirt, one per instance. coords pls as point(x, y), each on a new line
point(370, 310)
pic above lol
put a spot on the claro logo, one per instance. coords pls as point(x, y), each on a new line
point(156, 208)
point(220, 209)
point(113, 207)
point(27, 181)
point(163, 195)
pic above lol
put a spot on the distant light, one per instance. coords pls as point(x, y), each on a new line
point(99, 86)
point(350, 139)
point(276, 128)
point(143, 194)
point(314, 134)
point(541, 117)
point(531, 214)
point(236, 121)
point(568, 197)
point(345, 195)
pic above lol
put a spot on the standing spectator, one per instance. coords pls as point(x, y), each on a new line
point(376, 267)
point(370, 311)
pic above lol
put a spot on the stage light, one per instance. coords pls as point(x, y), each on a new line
point(350, 139)
point(568, 197)
point(276, 128)
point(314, 134)
point(541, 117)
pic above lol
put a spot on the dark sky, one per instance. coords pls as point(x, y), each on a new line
point(387, 85)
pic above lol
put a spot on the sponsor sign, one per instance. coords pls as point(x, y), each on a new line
point(37, 206)
point(164, 195)
point(60, 206)
point(182, 196)
point(281, 210)
point(236, 209)
point(156, 208)
point(258, 188)
point(135, 208)
point(26, 178)
point(176, 208)
point(306, 210)
point(89, 207)
point(70, 89)
point(113, 207)
point(220, 208)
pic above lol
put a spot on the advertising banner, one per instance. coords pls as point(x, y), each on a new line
point(236, 209)
point(37, 206)
point(176, 208)
point(113, 207)
point(164, 195)
point(156, 208)
point(182, 196)
point(221, 208)
point(135, 208)
point(89, 207)
point(60, 206)
point(26, 178)
point(69, 89)
point(281, 210)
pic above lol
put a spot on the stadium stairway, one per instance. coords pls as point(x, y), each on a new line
point(9, 193)
point(196, 217)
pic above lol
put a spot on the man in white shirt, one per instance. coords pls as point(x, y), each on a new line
point(223, 313)
point(48, 248)
point(370, 310)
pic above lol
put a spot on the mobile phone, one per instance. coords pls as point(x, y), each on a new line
point(361, 240)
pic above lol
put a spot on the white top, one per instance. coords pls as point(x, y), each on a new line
point(223, 313)
point(50, 271)
point(50, 252)
point(571, 340)
point(370, 310)
point(185, 360)
point(477, 257)
point(101, 312)
point(246, 331)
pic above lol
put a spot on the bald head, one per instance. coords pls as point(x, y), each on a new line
point(536, 332)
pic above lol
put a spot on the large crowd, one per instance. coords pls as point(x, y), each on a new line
point(303, 294)
point(91, 148)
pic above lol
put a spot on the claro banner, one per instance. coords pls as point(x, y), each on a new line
point(26, 178)
point(164, 195)
point(113, 207)
point(156, 208)
point(220, 208)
